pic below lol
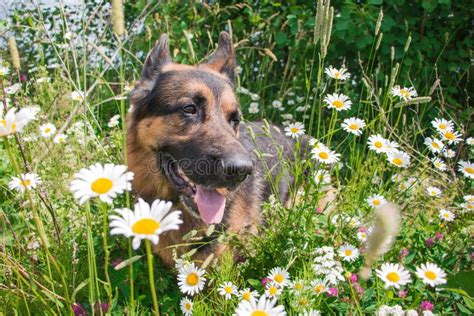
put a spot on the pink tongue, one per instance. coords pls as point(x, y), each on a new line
point(211, 205)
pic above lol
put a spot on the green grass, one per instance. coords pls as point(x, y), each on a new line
point(69, 266)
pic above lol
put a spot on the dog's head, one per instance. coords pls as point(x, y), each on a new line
point(189, 116)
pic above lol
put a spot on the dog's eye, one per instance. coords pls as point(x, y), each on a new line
point(190, 109)
point(234, 121)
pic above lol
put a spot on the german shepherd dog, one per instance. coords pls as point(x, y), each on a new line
point(187, 144)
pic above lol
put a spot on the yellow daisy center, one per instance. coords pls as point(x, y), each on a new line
point(145, 226)
point(397, 161)
point(337, 74)
point(4, 123)
point(378, 144)
point(338, 104)
point(323, 155)
point(435, 145)
point(353, 126)
point(26, 183)
point(272, 290)
point(303, 302)
point(446, 215)
point(393, 277)
point(246, 296)
point(47, 130)
point(348, 252)
point(259, 313)
point(101, 185)
point(295, 130)
point(279, 278)
point(298, 286)
point(404, 93)
point(469, 170)
point(376, 202)
point(449, 135)
point(228, 289)
point(319, 288)
point(192, 279)
point(442, 126)
point(188, 306)
point(430, 275)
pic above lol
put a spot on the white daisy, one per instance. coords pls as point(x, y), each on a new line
point(449, 153)
point(114, 121)
point(47, 130)
point(393, 274)
point(277, 104)
point(280, 276)
point(13, 88)
point(26, 181)
point(103, 181)
point(439, 164)
point(319, 286)
point(191, 279)
point(247, 294)
point(145, 222)
point(434, 191)
point(294, 130)
point(467, 168)
point(353, 125)
point(253, 107)
point(322, 177)
point(348, 252)
point(312, 312)
point(287, 117)
point(324, 155)
point(468, 206)
point(297, 287)
point(446, 215)
point(4, 71)
point(59, 138)
point(272, 290)
point(397, 177)
point(186, 306)
point(468, 198)
point(227, 289)
point(339, 102)
point(376, 200)
point(262, 307)
point(14, 121)
point(398, 158)
point(377, 143)
point(434, 144)
point(338, 74)
point(362, 235)
point(470, 141)
point(452, 137)
point(431, 274)
point(77, 96)
point(404, 93)
point(442, 125)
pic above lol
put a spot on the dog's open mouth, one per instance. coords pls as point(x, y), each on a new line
point(209, 201)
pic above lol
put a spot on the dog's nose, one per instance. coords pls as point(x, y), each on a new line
point(237, 169)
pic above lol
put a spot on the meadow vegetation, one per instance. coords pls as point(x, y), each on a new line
point(383, 97)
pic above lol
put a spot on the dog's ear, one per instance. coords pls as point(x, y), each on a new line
point(223, 59)
point(157, 58)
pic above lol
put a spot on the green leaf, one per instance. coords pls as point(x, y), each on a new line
point(376, 2)
point(281, 38)
point(254, 283)
point(462, 281)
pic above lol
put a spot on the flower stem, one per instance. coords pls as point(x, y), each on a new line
point(107, 255)
point(151, 277)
